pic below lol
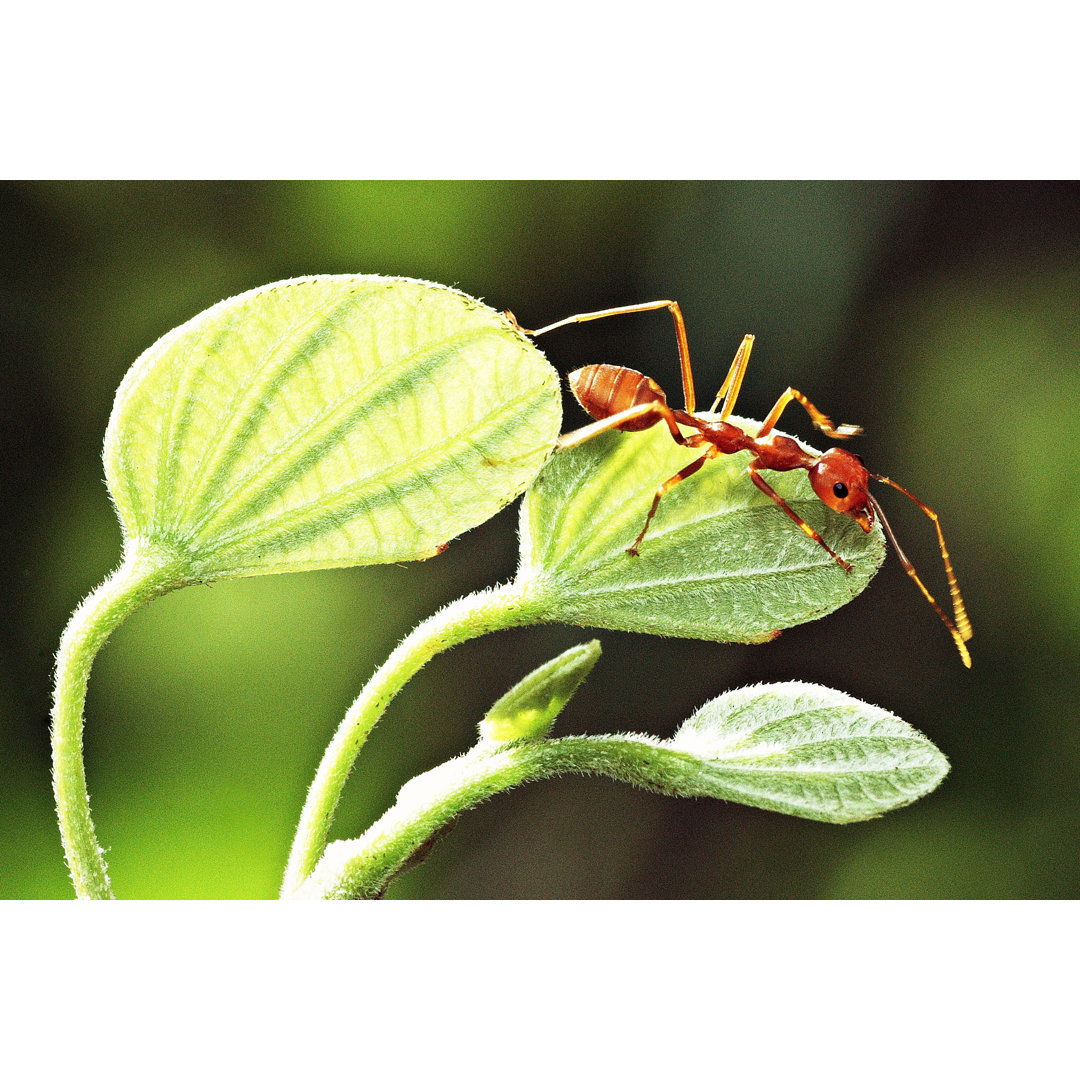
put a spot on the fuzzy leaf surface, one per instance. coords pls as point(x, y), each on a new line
point(327, 421)
point(720, 561)
point(800, 749)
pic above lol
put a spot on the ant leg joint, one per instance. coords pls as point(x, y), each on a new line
point(511, 318)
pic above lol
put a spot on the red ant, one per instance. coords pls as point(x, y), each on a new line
point(619, 397)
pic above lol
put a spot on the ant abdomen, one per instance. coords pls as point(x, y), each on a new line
point(604, 390)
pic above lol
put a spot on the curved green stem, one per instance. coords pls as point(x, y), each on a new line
point(471, 616)
point(429, 803)
point(140, 578)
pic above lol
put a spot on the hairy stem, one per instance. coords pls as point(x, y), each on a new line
point(140, 578)
point(471, 616)
point(429, 803)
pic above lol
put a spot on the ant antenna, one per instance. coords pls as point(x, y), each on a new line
point(961, 631)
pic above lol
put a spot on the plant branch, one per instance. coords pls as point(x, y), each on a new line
point(361, 868)
point(469, 617)
point(142, 576)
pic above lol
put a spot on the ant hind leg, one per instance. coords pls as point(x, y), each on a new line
point(630, 309)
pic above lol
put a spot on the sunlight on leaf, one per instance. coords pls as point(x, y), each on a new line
point(327, 421)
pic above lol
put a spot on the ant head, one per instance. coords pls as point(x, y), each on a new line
point(839, 480)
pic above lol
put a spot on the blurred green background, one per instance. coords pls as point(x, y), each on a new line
point(944, 318)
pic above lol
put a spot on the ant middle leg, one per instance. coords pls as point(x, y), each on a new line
point(732, 384)
point(821, 421)
point(631, 309)
point(667, 485)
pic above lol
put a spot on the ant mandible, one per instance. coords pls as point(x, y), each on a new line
point(619, 397)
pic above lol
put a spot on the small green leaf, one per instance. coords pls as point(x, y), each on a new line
point(720, 560)
point(528, 709)
point(327, 421)
point(805, 750)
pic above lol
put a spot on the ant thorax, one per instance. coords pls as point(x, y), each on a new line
point(781, 453)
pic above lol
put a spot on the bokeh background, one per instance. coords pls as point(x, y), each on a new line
point(944, 318)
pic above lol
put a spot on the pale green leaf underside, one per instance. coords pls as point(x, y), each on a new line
point(796, 748)
point(328, 421)
point(720, 560)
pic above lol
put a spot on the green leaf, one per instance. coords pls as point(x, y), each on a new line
point(720, 560)
point(796, 748)
point(327, 421)
point(528, 709)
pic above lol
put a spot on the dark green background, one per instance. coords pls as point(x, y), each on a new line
point(944, 318)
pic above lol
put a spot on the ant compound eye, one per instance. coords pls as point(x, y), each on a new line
point(839, 490)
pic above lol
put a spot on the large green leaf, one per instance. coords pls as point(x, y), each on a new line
point(327, 421)
point(720, 561)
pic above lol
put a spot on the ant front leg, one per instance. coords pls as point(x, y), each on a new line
point(821, 421)
point(762, 485)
